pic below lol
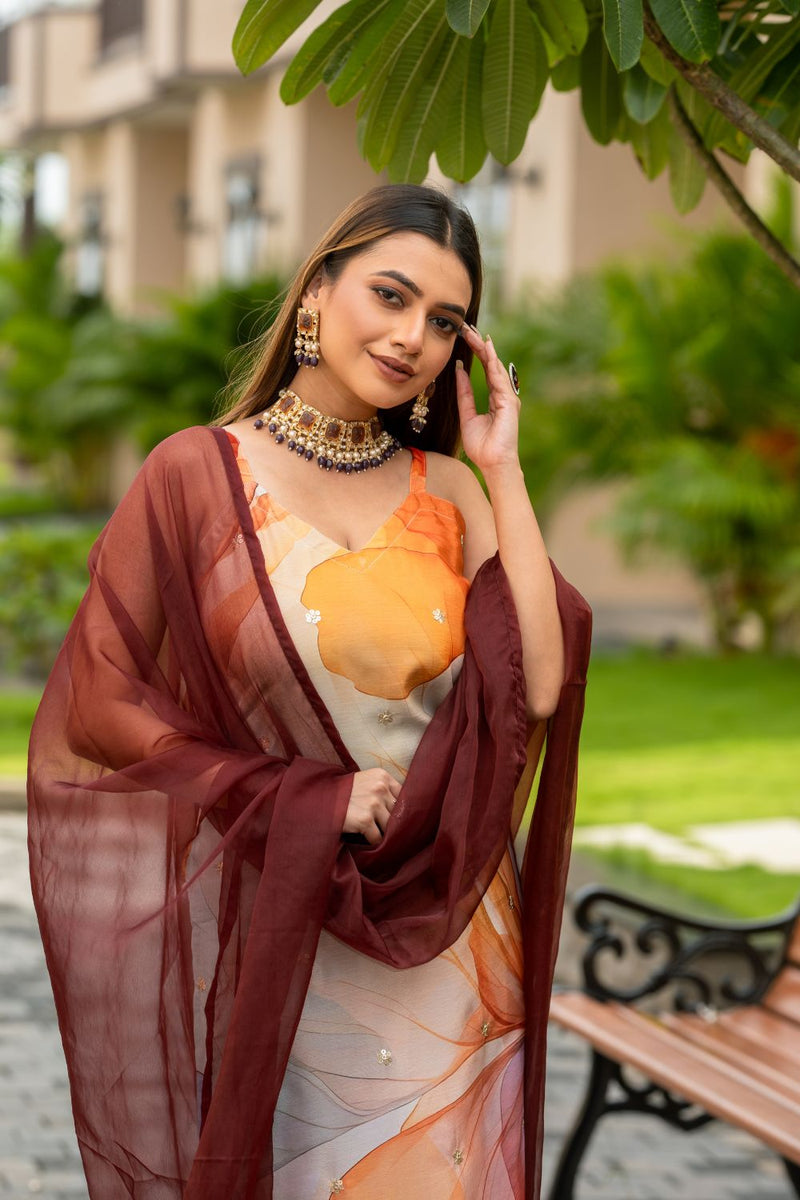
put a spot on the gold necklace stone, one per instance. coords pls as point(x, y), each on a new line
point(345, 446)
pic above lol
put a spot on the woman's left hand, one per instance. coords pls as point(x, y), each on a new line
point(490, 439)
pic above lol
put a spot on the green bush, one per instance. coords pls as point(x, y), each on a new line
point(43, 568)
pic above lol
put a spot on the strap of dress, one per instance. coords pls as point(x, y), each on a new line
point(419, 467)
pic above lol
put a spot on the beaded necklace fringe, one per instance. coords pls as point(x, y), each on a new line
point(345, 446)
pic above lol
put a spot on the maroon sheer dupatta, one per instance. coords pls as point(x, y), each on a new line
point(187, 790)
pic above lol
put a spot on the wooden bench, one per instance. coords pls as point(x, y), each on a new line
point(708, 1016)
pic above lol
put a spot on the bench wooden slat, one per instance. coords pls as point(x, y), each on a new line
point(725, 1045)
point(784, 995)
point(768, 1032)
point(689, 1071)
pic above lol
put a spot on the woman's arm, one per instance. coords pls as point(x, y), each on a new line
point(491, 441)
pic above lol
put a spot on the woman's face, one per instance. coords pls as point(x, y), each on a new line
point(387, 324)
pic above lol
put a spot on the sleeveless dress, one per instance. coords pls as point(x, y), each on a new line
point(400, 1083)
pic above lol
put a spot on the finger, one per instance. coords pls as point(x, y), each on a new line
point(394, 787)
point(475, 342)
point(465, 397)
point(373, 834)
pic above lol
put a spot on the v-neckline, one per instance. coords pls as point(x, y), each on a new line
point(286, 512)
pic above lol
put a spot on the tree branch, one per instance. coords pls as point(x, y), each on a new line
point(731, 194)
point(731, 105)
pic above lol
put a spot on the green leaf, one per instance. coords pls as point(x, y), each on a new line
point(514, 77)
point(391, 91)
point(687, 179)
point(264, 26)
point(601, 101)
point(656, 65)
point(422, 127)
point(327, 44)
point(791, 6)
point(642, 95)
point(462, 150)
point(692, 27)
point(565, 23)
point(748, 79)
point(623, 29)
point(651, 143)
point(566, 75)
point(346, 79)
point(780, 95)
point(464, 16)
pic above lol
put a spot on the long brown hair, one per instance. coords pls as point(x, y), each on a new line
point(392, 208)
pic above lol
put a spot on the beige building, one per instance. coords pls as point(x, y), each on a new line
point(181, 172)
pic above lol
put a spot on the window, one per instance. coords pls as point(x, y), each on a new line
point(243, 243)
point(90, 251)
point(4, 63)
point(119, 21)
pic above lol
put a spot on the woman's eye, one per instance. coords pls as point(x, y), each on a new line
point(445, 324)
point(389, 294)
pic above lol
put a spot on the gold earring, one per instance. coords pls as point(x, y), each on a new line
point(306, 344)
point(419, 413)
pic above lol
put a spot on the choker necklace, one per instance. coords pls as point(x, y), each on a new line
point(346, 446)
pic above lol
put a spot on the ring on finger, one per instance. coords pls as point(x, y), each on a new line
point(513, 377)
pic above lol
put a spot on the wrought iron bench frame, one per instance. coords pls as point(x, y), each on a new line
point(703, 968)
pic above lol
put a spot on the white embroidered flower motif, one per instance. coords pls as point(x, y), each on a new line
point(313, 616)
point(438, 615)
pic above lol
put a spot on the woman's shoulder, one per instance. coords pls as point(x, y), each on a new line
point(454, 480)
point(186, 449)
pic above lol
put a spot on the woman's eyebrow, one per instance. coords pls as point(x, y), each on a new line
point(416, 291)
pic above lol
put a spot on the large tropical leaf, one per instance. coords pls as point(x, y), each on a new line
point(325, 51)
point(747, 79)
point(464, 16)
point(462, 149)
point(687, 179)
point(422, 127)
point(655, 64)
point(651, 143)
point(514, 76)
point(623, 29)
point(351, 73)
point(565, 23)
point(566, 75)
point(390, 94)
point(691, 26)
point(264, 26)
point(642, 95)
point(601, 101)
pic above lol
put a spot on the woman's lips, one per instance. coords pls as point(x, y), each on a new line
point(392, 373)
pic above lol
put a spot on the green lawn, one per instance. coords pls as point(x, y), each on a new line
point(17, 707)
point(673, 741)
point(668, 741)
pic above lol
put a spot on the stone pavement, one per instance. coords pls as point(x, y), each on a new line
point(632, 1158)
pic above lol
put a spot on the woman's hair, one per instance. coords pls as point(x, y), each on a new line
point(393, 208)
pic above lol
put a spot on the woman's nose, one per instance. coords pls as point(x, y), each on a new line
point(409, 332)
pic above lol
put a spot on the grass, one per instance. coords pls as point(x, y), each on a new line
point(17, 708)
point(670, 741)
point(675, 741)
point(746, 891)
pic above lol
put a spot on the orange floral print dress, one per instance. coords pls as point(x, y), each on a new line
point(401, 1083)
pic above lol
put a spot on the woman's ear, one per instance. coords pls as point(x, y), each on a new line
point(311, 294)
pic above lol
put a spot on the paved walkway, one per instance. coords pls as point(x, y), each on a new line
point(632, 1158)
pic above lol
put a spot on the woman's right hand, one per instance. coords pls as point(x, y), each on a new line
point(372, 799)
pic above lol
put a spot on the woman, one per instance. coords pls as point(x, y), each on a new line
point(276, 770)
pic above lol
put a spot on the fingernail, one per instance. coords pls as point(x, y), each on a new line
point(459, 365)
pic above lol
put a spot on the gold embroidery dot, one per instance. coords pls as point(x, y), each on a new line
point(485, 1028)
point(384, 1056)
point(511, 903)
point(337, 1187)
point(385, 718)
point(219, 866)
point(458, 1157)
point(438, 615)
point(201, 984)
point(313, 616)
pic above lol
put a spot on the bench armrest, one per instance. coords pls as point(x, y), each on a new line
point(697, 966)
